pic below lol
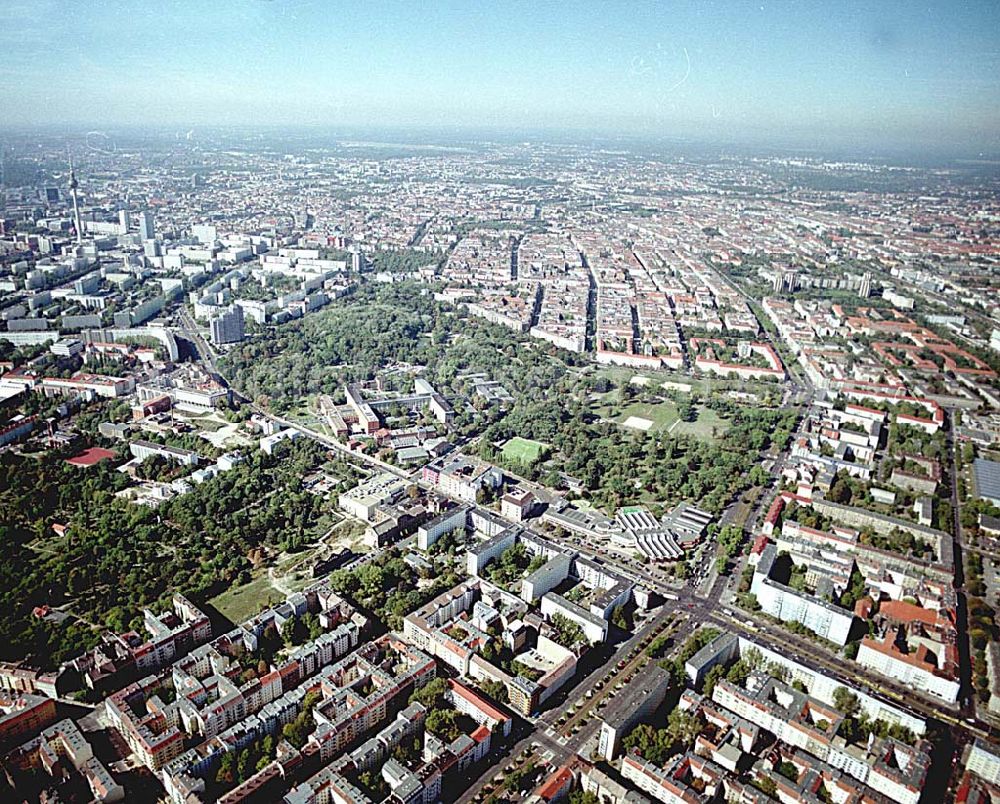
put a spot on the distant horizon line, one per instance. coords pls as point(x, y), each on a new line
point(471, 133)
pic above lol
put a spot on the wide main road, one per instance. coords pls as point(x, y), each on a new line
point(190, 330)
point(962, 615)
point(332, 443)
point(541, 731)
point(806, 652)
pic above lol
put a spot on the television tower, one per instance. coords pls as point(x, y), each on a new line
point(73, 184)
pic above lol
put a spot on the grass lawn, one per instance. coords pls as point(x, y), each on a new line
point(703, 425)
point(242, 602)
point(523, 450)
point(304, 412)
point(661, 414)
point(618, 374)
point(209, 423)
point(322, 427)
point(206, 422)
point(348, 533)
point(293, 571)
point(664, 417)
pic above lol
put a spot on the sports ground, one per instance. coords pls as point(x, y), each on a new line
point(523, 450)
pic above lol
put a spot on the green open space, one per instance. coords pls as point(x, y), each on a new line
point(523, 450)
point(239, 603)
point(708, 425)
point(349, 533)
point(664, 416)
point(210, 423)
point(661, 414)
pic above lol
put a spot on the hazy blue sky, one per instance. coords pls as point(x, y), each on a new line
point(869, 72)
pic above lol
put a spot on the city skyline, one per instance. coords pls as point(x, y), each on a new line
point(747, 73)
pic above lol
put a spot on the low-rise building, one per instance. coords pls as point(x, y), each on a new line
point(147, 449)
point(89, 386)
point(269, 443)
point(67, 347)
point(363, 500)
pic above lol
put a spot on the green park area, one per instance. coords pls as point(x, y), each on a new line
point(523, 450)
point(650, 417)
point(708, 424)
point(239, 603)
point(664, 416)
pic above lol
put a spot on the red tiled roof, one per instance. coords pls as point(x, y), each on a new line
point(888, 648)
point(775, 510)
point(555, 783)
point(904, 612)
point(480, 703)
